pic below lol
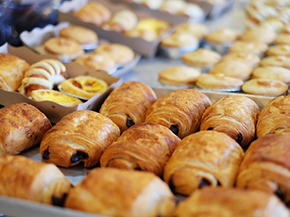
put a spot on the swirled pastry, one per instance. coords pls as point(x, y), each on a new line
point(205, 158)
point(79, 136)
point(144, 146)
point(226, 202)
point(234, 115)
point(12, 70)
point(180, 111)
point(114, 192)
point(128, 104)
point(26, 179)
point(22, 126)
point(266, 166)
point(274, 117)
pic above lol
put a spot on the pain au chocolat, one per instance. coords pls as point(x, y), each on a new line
point(234, 115)
point(128, 104)
point(81, 136)
point(205, 158)
point(180, 111)
point(144, 146)
point(21, 127)
point(23, 178)
point(113, 192)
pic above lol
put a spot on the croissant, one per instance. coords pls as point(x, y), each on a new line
point(26, 179)
point(22, 126)
point(144, 146)
point(226, 202)
point(266, 166)
point(205, 158)
point(113, 192)
point(180, 111)
point(42, 75)
point(80, 136)
point(127, 105)
point(234, 115)
point(12, 70)
point(275, 117)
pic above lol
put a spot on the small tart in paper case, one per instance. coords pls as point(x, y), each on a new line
point(55, 96)
point(84, 86)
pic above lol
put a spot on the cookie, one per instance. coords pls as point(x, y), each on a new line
point(179, 40)
point(259, 34)
point(221, 36)
point(279, 50)
point(178, 76)
point(265, 87)
point(283, 39)
point(253, 47)
point(272, 72)
point(248, 58)
point(196, 29)
point(282, 61)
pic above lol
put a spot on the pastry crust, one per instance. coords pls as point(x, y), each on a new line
point(234, 115)
point(266, 166)
point(12, 70)
point(274, 117)
point(180, 111)
point(205, 158)
point(128, 104)
point(227, 202)
point(23, 178)
point(113, 192)
point(79, 136)
point(144, 146)
point(22, 126)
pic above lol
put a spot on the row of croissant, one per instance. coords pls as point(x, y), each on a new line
point(158, 137)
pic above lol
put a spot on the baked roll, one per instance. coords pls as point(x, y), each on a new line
point(234, 115)
point(26, 179)
point(12, 70)
point(205, 158)
point(22, 126)
point(128, 104)
point(180, 111)
point(113, 192)
point(274, 117)
point(225, 202)
point(81, 136)
point(266, 166)
point(144, 146)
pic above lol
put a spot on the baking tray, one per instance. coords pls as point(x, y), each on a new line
point(21, 208)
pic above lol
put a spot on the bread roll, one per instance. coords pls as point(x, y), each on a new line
point(113, 192)
point(22, 126)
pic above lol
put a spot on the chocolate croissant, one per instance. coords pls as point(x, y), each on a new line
point(144, 146)
point(22, 126)
point(113, 192)
point(266, 166)
point(180, 111)
point(205, 158)
point(81, 136)
point(26, 179)
point(275, 117)
point(128, 104)
point(233, 115)
point(226, 202)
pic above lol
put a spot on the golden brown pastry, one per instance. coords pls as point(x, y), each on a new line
point(144, 146)
point(23, 178)
point(234, 115)
point(95, 13)
point(180, 111)
point(22, 126)
point(12, 70)
point(274, 117)
point(79, 136)
point(229, 202)
point(128, 104)
point(205, 158)
point(113, 192)
point(266, 166)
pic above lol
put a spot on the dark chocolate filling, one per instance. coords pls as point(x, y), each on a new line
point(58, 201)
point(45, 155)
point(204, 182)
point(171, 185)
point(174, 128)
point(129, 122)
point(240, 138)
point(78, 156)
point(211, 128)
point(280, 193)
